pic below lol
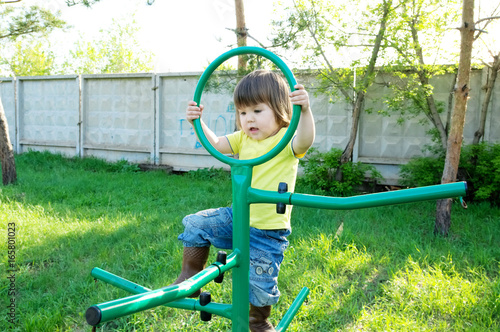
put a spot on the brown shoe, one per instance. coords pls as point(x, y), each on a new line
point(258, 319)
point(193, 261)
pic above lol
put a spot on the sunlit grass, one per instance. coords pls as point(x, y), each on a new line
point(378, 269)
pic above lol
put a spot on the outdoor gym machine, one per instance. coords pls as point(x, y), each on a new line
point(239, 260)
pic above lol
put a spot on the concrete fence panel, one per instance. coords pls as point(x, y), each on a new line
point(141, 118)
point(118, 117)
point(492, 130)
point(8, 99)
point(178, 145)
point(48, 113)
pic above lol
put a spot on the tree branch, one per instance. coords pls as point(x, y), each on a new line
point(323, 55)
point(488, 19)
point(248, 35)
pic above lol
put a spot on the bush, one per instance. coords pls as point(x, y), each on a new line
point(320, 169)
point(422, 171)
point(479, 166)
point(209, 173)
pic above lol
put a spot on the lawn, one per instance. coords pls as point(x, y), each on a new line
point(378, 269)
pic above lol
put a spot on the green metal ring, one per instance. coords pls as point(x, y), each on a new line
point(293, 123)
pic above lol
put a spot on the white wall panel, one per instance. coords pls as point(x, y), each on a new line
point(178, 145)
point(48, 112)
point(7, 96)
point(118, 114)
point(141, 118)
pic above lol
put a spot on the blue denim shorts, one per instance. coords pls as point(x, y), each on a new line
point(267, 247)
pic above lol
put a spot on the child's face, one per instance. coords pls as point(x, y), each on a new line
point(258, 122)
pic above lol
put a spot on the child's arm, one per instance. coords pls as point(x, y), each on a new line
point(221, 143)
point(306, 130)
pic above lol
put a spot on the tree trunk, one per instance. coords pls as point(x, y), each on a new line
point(450, 104)
point(490, 83)
point(241, 35)
point(366, 81)
point(356, 112)
point(424, 80)
point(9, 174)
point(443, 209)
point(436, 119)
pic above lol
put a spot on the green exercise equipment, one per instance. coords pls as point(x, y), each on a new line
point(243, 196)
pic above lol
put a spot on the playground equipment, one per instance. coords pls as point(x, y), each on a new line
point(243, 195)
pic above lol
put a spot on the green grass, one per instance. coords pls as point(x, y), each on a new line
point(378, 269)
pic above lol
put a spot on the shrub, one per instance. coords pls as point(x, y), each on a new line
point(209, 173)
point(320, 169)
point(422, 171)
point(479, 166)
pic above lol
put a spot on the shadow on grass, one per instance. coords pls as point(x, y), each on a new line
point(70, 221)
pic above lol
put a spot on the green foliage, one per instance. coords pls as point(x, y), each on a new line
point(412, 37)
point(20, 21)
point(409, 95)
point(417, 40)
point(32, 58)
point(422, 171)
point(325, 33)
point(320, 169)
point(24, 49)
point(209, 173)
point(479, 166)
point(115, 52)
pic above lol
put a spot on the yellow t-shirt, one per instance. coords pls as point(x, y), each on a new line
point(267, 176)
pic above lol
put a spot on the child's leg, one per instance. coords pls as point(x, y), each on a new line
point(208, 227)
point(201, 230)
point(267, 249)
point(193, 261)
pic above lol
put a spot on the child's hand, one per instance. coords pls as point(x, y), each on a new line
point(300, 97)
point(193, 111)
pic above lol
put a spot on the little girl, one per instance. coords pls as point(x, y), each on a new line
point(263, 104)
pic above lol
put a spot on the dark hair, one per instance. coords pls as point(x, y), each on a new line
point(264, 87)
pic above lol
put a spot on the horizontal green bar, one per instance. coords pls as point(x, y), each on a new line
point(439, 191)
point(292, 311)
point(129, 305)
point(265, 196)
point(117, 281)
point(223, 310)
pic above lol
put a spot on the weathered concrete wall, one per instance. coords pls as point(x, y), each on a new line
point(140, 118)
point(8, 99)
point(48, 113)
point(118, 117)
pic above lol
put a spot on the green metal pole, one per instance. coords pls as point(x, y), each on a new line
point(362, 201)
point(242, 178)
point(107, 311)
point(223, 310)
point(292, 311)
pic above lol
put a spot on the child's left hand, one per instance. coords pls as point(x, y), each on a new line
point(300, 97)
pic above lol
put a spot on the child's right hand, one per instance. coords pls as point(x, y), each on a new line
point(193, 111)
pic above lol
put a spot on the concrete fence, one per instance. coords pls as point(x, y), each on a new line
point(140, 118)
